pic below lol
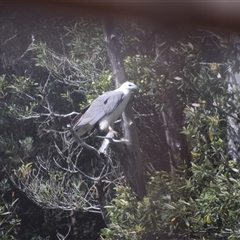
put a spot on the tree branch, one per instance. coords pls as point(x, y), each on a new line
point(38, 115)
point(109, 139)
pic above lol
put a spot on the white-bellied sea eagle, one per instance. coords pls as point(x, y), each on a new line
point(104, 110)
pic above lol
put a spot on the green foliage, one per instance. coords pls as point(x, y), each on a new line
point(23, 171)
point(48, 69)
point(201, 202)
point(82, 64)
point(64, 69)
point(142, 68)
point(176, 207)
point(27, 145)
point(206, 132)
point(104, 84)
point(82, 57)
point(14, 91)
point(8, 217)
point(3, 85)
point(180, 68)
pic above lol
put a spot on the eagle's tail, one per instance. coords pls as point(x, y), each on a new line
point(84, 129)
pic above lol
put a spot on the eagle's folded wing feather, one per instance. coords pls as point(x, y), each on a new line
point(100, 107)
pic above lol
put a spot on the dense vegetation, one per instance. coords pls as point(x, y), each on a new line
point(51, 68)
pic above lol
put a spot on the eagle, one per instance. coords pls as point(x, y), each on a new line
point(104, 110)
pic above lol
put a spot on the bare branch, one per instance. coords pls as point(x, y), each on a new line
point(61, 237)
point(29, 48)
point(9, 39)
point(38, 115)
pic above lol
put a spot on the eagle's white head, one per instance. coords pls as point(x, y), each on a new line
point(128, 86)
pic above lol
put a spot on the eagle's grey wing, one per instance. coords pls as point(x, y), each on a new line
point(78, 116)
point(100, 107)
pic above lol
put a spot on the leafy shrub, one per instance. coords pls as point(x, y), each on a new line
point(176, 206)
point(197, 203)
point(8, 217)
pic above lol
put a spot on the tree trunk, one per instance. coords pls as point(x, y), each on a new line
point(233, 124)
point(132, 163)
point(172, 118)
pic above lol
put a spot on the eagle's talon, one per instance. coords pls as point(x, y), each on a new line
point(115, 133)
